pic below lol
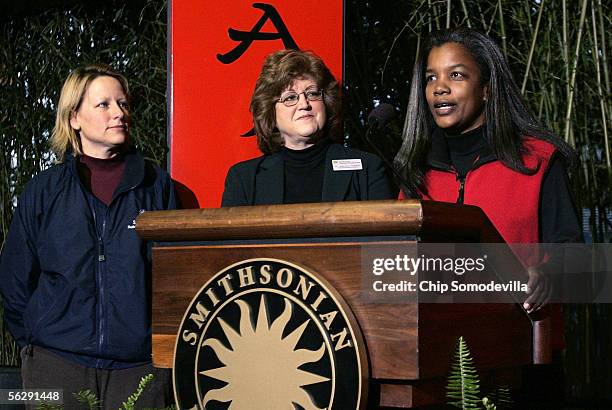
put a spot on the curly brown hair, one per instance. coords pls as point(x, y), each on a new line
point(279, 70)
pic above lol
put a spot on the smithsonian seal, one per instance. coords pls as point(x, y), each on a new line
point(267, 334)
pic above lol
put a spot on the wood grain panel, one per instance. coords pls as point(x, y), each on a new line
point(389, 329)
point(163, 353)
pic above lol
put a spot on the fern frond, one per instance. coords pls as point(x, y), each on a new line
point(488, 404)
point(88, 398)
point(131, 402)
point(463, 388)
point(49, 406)
point(503, 398)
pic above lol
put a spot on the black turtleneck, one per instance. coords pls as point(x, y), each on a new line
point(304, 172)
point(464, 149)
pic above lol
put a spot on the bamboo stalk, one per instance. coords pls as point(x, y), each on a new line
point(482, 19)
point(544, 93)
point(551, 100)
point(541, 105)
point(602, 102)
point(448, 13)
point(574, 67)
point(553, 110)
point(532, 48)
point(591, 163)
point(429, 12)
point(502, 28)
point(436, 14)
point(565, 49)
point(604, 60)
point(382, 74)
point(528, 15)
point(493, 18)
point(587, 143)
point(407, 25)
point(584, 160)
point(465, 12)
point(604, 57)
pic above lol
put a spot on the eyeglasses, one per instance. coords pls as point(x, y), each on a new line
point(289, 99)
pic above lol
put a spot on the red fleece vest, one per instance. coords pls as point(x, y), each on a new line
point(510, 199)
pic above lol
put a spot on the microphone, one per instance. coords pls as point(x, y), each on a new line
point(379, 117)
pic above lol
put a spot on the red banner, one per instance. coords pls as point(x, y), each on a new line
point(216, 51)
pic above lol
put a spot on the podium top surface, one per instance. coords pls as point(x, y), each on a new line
point(436, 221)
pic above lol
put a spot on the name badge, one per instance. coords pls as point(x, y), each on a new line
point(347, 164)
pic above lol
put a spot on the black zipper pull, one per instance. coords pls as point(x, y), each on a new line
point(461, 189)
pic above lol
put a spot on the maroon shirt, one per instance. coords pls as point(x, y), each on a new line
point(101, 176)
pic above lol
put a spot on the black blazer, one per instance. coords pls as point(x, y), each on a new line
point(261, 181)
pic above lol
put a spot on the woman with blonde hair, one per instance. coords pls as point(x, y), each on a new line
point(74, 276)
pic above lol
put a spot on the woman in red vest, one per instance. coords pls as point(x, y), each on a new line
point(470, 139)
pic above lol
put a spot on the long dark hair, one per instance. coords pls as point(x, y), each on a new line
point(508, 119)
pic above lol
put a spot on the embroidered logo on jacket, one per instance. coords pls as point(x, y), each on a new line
point(133, 224)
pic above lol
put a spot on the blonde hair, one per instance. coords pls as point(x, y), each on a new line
point(64, 137)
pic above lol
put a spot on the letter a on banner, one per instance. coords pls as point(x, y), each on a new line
point(216, 52)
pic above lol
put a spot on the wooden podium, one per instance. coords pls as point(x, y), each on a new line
point(409, 345)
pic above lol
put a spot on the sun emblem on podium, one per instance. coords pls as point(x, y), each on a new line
point(264, 334)
point(260, 360)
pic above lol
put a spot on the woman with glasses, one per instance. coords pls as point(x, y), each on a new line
point(296, 114)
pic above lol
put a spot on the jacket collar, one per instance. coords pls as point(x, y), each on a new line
point(133, 175)
point(271, 177)
point(438, 155)
point(270, 180)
